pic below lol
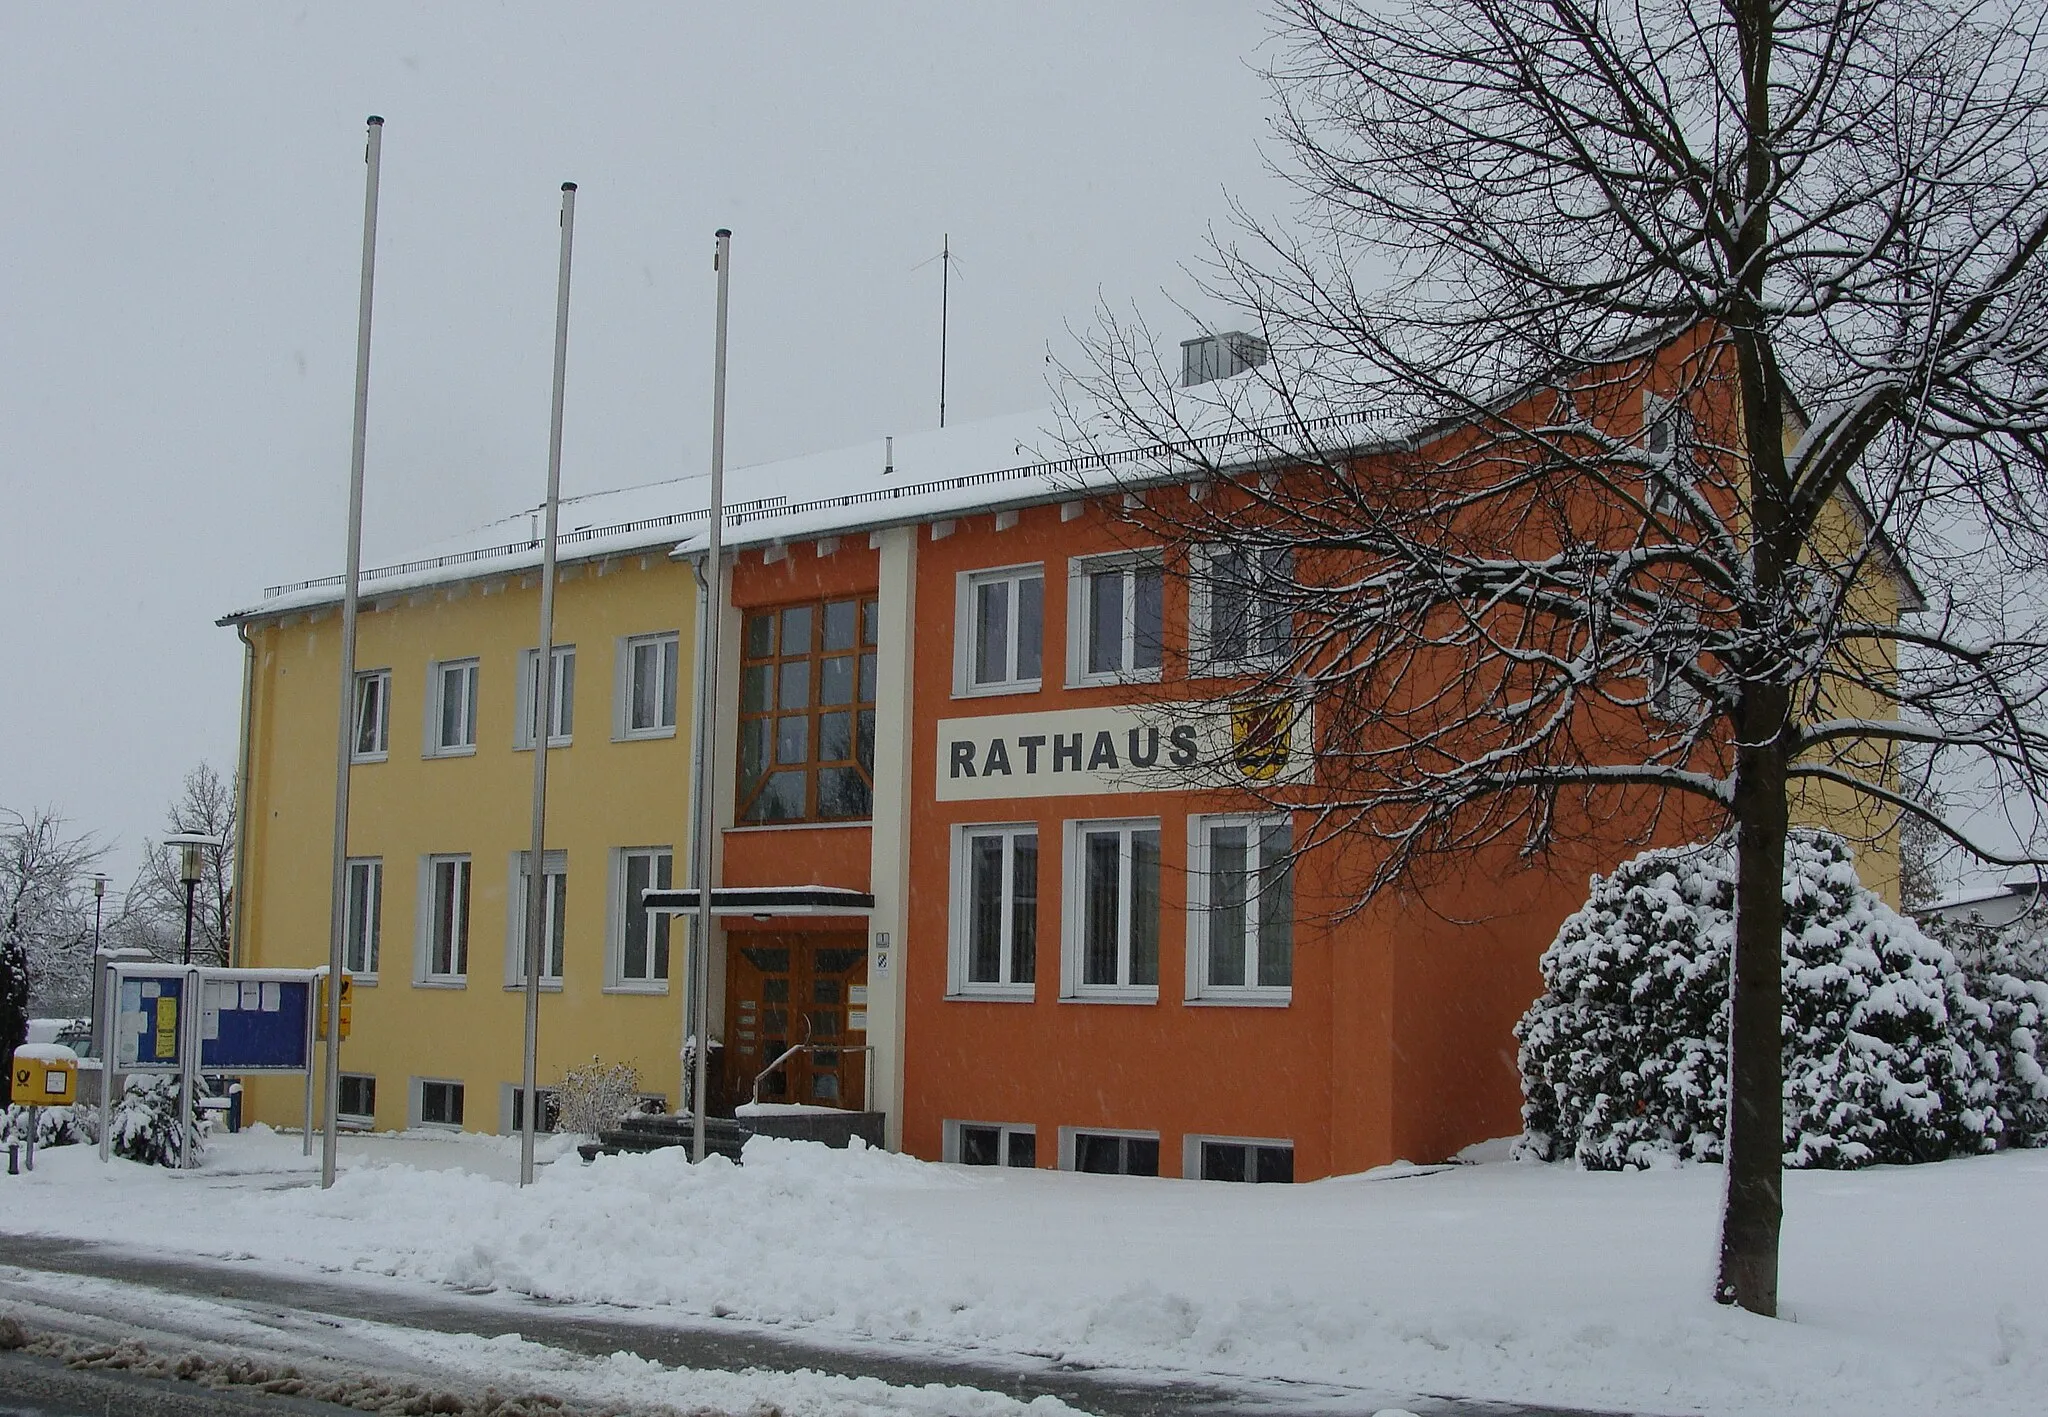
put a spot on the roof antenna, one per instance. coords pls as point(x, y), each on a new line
point(889, 456)
point(946, 265)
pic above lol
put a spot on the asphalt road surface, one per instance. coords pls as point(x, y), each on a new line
point(679, 1341)
point(32, 1386)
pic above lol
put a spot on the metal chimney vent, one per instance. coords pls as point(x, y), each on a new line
point(1219, 356)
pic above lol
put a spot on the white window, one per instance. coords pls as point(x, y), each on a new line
point(995, 912)
point(554, 918)
point(991, 1144)
point(1667, 439)
point(1238, 607)
point(1000, 633)
point(436, 1102)
point(639, 952)
point(363, 919)
point(563, 707)
point(444, 954)
point(358, 1103)
point(548, 1119)
point(647, 686)
point(1237, 1159)
point(1111, 920)
point(372, 742)
point(451, 708)
point(1109, 1153)
point(1116, 618)
point(1241, 909)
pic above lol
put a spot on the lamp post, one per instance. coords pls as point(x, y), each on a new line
point(99, 894)
point(191, 867)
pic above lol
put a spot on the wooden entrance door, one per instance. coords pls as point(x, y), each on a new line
point(797, 988)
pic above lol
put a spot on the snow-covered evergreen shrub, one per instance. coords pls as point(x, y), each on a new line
point(145, 1122)
point(2008, 970)
point(1624, 1057)
point(596, 1095)
point(55, 1126)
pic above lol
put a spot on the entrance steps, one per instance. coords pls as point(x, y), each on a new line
point(726, 1136)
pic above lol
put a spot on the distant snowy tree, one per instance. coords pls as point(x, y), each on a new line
point(1887, 1053)
point(153, 916)
point(45, 921)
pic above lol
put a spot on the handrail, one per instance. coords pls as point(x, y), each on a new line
point(866, 1049)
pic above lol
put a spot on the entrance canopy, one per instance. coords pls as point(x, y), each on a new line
point(764, 901)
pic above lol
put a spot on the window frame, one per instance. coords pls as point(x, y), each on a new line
point(425, 976)
point(616, 980)
point(471, 668)
point(859, 710)
point(1201, 921)
point(356, 1121)
point(554, 866)
point(1191, 1145)
point(1073, 911)
point(562, 731)
point(372, 956)
point(1204, 660)
point(1665, 494)
point(952, 1145)
point(1009, 989)
point(623, 682)
point(1070, 1145)
point(1081, 571)
point(511, 1112)
point(366, 679)
point(967, 627)
point(416, 1111)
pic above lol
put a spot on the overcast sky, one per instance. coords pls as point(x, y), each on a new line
point(179, 257)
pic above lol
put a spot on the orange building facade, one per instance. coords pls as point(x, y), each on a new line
point(988, 855)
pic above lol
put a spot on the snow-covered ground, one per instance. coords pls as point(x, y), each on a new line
point(1906, 1290)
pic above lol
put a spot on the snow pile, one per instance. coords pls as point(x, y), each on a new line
point(639, 1229)
point(1889, 1056)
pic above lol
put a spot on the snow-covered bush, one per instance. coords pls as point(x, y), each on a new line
point(596, 1095)
point(1624, 1057)
point(2008, 970)
point(145, 1122)
point(55, 1126)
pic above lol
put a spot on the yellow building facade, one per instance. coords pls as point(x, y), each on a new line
point(440, 816)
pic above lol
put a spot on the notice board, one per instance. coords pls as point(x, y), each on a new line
point(255, 1025)
point(149, 1032)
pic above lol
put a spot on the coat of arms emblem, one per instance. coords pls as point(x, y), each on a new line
point(1261, 739)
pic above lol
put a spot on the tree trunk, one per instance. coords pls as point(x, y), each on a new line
point(1753, 1202)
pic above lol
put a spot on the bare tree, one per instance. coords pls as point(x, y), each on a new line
point(153, 917)
point(45, 920)
point(1625, 356)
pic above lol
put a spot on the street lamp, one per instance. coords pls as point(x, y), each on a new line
point(191, 867)
point(99, 894)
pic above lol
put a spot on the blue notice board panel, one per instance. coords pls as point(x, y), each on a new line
point(255, 1025)
point(149, 1026)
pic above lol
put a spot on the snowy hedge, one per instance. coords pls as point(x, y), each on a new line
point(1893, 1052)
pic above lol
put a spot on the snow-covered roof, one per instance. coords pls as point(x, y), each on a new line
point(1009, 461)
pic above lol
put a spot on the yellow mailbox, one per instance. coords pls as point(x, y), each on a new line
point(45, 1075)
point(348, 1006)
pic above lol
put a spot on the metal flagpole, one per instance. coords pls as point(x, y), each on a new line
point(707, 698)
point(544, 710)
point(945, 314)
point(345, 728)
